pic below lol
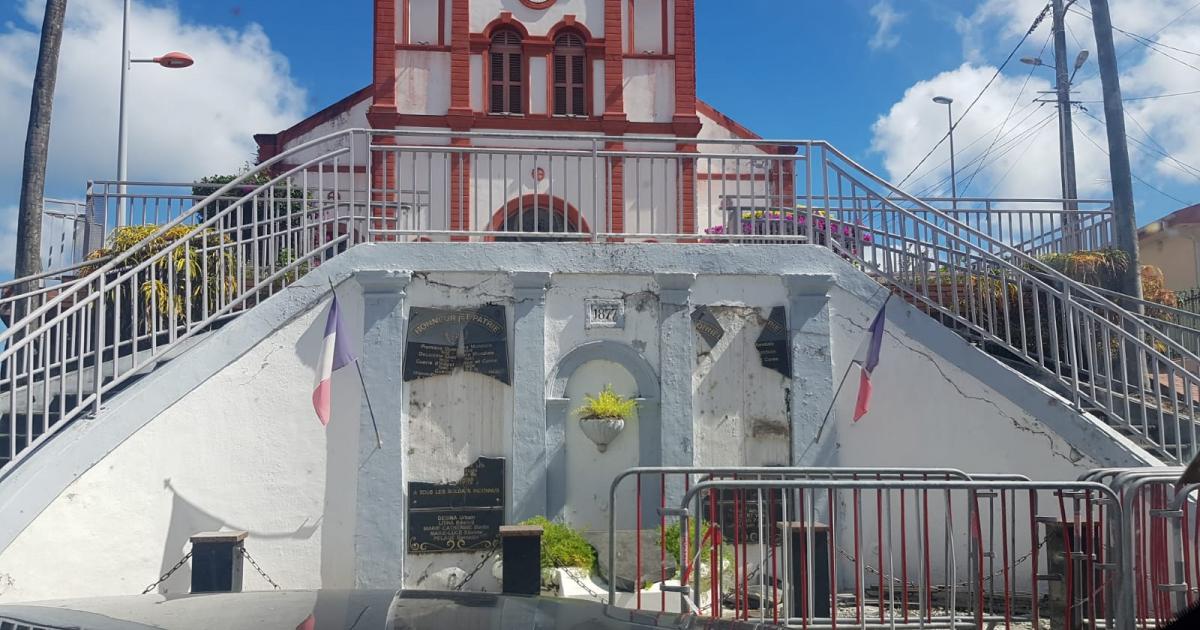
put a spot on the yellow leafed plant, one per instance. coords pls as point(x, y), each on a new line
point(201, 272)
point(607, 404)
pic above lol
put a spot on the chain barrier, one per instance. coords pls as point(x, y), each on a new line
point(460, 585)
point(166, 576)
point(584, 586)
point(942, 587)
point(254, 564)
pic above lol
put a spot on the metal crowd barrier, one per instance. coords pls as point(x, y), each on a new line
point(871, 547)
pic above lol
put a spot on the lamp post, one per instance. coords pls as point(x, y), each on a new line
point(172, 60)
point(949, 103)
point(1066, 132)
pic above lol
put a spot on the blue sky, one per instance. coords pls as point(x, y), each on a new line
point(858, 73)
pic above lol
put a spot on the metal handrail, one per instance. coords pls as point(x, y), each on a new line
point(177, 307)
point(957, 239)
point(932, 238)
point(164, 228)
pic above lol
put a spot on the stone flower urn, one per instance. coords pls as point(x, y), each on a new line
point(602, 417)
point(602, 431)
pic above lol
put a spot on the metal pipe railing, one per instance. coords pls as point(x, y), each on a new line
point(421, 185)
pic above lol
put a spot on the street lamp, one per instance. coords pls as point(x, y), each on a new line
point(171, 60)
point(949, 102)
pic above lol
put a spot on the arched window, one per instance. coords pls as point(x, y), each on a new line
point(538, 214)
point(507, 74)
point(570, 64)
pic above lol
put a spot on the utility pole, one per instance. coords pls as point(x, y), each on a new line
point(37, 144)
point(1125, 220)
point(1066, 137)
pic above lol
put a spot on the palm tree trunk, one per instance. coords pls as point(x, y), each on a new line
point(37, 141)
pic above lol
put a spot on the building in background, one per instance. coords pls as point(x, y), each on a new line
point(1172, 244)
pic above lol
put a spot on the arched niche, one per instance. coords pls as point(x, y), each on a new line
point(558, 415)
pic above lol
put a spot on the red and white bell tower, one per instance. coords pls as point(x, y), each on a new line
point(614, 67)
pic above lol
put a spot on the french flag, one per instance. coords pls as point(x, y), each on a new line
point(335, 355)
point(863, 404)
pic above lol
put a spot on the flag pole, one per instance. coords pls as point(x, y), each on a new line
point(838, 391)
point(363, 382)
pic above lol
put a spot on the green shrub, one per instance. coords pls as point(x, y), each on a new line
point(563, 546)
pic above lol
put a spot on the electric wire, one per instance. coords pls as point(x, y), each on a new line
point(1025, 84)
point(1036, 22)
point(1134, 175)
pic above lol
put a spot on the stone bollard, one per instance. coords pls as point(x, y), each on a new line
point(522, 568)
point(217, 562)
point(804, 582)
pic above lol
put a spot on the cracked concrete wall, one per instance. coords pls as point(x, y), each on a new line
point(740, 406)
point(244, 450)
point(231, 426)
point(927, 410)
point(453, 420)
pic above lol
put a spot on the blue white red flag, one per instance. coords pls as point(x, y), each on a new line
point(863, 404)
point(335, 355)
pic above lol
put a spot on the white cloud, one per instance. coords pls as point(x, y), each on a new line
point(183, 123)
point(1022, 163)
point(886, 19)
point(913, 124)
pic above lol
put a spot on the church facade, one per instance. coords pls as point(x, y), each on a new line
point(601, 87)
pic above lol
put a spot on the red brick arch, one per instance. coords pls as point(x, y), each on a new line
point(514, 207)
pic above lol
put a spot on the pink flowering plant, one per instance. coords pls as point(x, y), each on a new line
point(778, 222)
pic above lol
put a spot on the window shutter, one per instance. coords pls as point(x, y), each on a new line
point(515, 100)
point(497, 83)
point(577, 86)
point(507, 74)
point(570, 64)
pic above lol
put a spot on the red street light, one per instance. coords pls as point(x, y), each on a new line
point(174, 60)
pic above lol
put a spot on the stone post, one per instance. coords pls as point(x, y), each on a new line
point(676, 361)
point(812, 361)
point(522, 569)
point(217, 562)
point(379, 531)
point(527, 470)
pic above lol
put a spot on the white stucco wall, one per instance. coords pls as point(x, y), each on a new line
point(354, 118)
point(422, 82)
point(590, 13)
point(738, 404)
point(423, 22)
point(648, 23)
point(242, 451)
point(649, 90)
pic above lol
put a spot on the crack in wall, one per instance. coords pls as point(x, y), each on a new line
point(1073, 457)
point(266, 361)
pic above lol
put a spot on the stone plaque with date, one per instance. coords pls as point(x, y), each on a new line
point(707, 325)
point(458, 517)
point(772, 344)
point(442, 340)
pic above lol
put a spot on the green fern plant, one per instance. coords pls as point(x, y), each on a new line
point(607, 404)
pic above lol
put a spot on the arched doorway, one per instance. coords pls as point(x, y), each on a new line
point(528, 215)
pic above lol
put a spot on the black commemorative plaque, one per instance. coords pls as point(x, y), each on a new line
point(442, 340)
point(707, 325)
point(741, 515)
point(454, 531)
point(458, 517)
point(772, 344)
point(482, 486)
